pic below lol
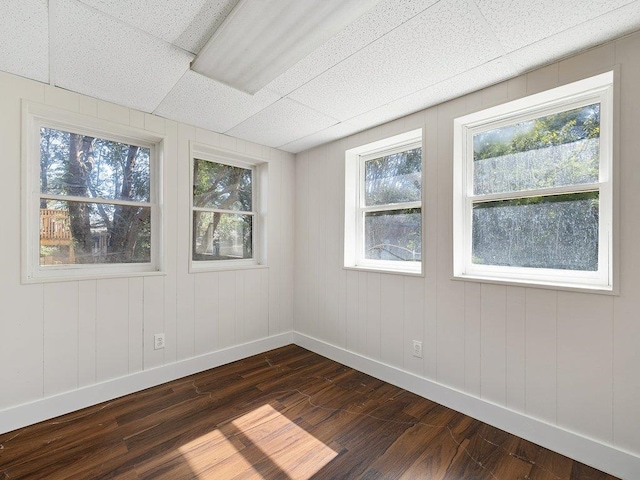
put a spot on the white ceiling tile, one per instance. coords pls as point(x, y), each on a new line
point(281, 123)
point(441, 42)
point(383, 18)
point(24, 38)
point(462, 84)
point(334, 132)
point(187, 24)
point(101, 57)
point(198, 100)
point(517, 23)
point(589, 34)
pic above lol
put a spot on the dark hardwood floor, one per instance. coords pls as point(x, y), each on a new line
point(284, 414)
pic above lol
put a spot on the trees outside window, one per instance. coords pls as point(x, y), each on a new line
point(94, 200)
point(534, 193)
point(550, 229)
point(383, 205)
point(391, 207)
point(91, 204)
point(223, 215)
point(228, 223)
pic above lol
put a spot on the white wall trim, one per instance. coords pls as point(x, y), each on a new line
point(591, 452)
point(51, 407)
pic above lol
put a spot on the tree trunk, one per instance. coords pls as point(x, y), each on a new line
point(78, 170)
point(127, 220)
point(44, 167)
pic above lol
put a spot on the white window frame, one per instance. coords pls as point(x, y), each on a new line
point(258, 167)
point(597, 89)
point(36, 116)
point(355, 208)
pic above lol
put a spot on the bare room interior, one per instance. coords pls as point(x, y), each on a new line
point(295, 239)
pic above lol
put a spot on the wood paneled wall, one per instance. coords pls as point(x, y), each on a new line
point(569, 359)
point(58, 337)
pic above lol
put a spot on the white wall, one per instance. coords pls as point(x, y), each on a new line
point(569, 359)
point(60, 337)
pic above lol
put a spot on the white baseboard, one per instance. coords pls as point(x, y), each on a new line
point(54, 406)
point(591, 452)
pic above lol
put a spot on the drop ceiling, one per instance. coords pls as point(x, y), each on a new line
point(400, 57)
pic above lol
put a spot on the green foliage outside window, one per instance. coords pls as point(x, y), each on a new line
point(393, 233)
point(547, 230)
point(221, 195)
point(88, 187)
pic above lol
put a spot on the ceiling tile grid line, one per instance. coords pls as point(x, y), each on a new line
point(281, 123)
point(474, 5)
point(519, 24)
point(126, 24)
point(218, 107)
point(187, 24)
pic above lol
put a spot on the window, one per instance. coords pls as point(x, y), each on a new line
point(93, 201)
point(383, 207)
point(224, 209)
point(533, 190)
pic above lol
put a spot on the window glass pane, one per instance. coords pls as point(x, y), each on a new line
point(394, 178)
point(393, 235)
point(221, 236)
point(91, 233)
point(220, 186)
point(84, 166)
point(550, 151)
point(559, 232)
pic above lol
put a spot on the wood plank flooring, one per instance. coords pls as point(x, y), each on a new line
point(284, 414)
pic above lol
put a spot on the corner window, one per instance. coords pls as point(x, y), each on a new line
point(92, 207)
point(533, 193)
point(224, 210)
point(383, 216)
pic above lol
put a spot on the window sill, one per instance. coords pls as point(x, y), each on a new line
point(225, 268)
point(69, 277)
point(406, 273)
point(558, 286)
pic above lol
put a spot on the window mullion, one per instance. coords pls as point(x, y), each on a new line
point(219, 210)
point(391, 207)
point(541, 192)
point(104, 201)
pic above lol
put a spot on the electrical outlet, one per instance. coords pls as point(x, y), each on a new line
point(158, 341)
point(417, 348)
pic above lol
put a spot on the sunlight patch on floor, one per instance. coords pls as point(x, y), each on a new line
point(263, 442)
